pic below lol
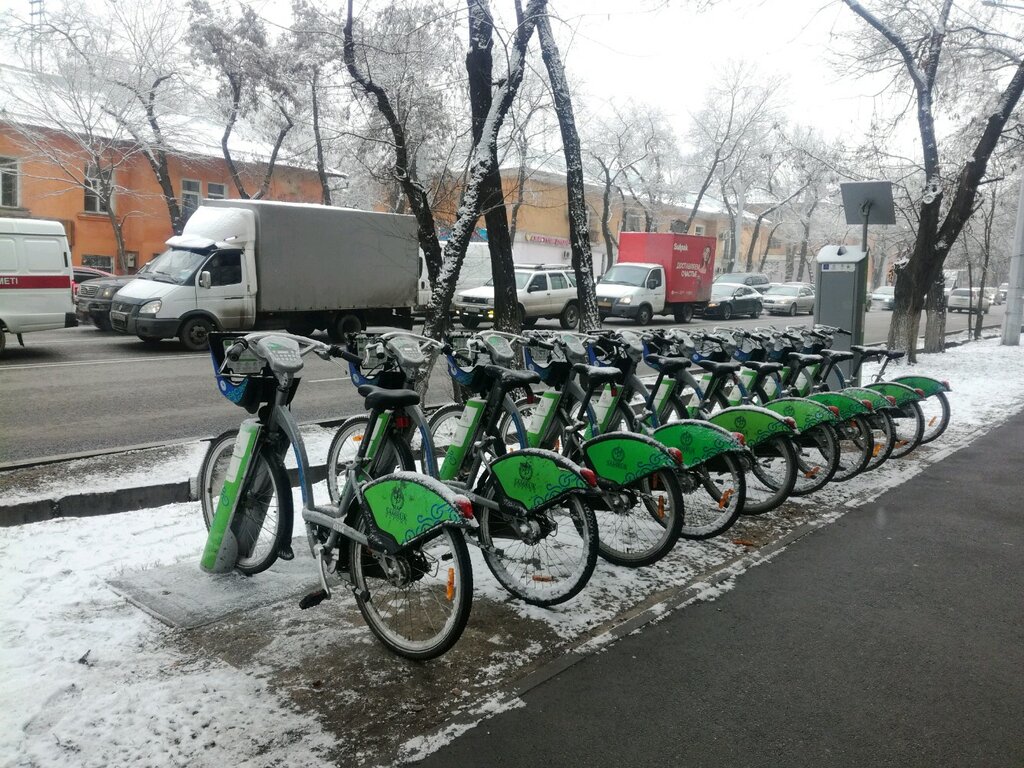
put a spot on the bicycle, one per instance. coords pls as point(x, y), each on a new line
point(398, 536)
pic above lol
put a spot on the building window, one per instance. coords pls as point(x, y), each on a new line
point(191, 191)
point(678, 226)
point(8, 182)
point(105, 263)
point(216, 191)
point(698, 229)
point(98, 190)
point(634, 223)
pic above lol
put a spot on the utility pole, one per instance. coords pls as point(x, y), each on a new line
point(1015, 294)
point(36, 12)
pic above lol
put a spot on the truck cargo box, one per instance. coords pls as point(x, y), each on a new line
point(316, 257)
point(688, 261)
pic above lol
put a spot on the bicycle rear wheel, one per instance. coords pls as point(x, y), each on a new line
point(263, 518)
point(908, 423)
point(856, 446)
point(883, 432)
point(935, 411)
point(772, 476)
point(543, 558)
point(644, 523)
point(417, 603)
point(715, 494)
point(817, 458)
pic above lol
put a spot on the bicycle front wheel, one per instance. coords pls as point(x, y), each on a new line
point(640, 524)
point(417, 603)
point(543, 558)
point(262, 523)
point(392, 455)
point(935, 411)
point(773, 475)
point(908, 423)
point(817, 458)
point(715, 495)
point(856, 447)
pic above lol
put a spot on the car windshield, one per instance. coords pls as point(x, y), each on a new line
point(885, 290)
point(625, 274)
point(723, 289)
point(963, 292)
point(522, 280)
point(782, 290)
point(174, 266)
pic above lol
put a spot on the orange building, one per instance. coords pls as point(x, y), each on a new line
point(33, 184)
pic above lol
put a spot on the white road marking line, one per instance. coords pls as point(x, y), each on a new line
point(100, 362)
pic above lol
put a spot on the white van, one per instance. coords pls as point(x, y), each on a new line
point(35, 278)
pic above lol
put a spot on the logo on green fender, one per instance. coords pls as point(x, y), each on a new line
point(396, 510)
point(789, 410)
point(741, 422)
point(685, 438)
point(618, 457)
point(525, 480)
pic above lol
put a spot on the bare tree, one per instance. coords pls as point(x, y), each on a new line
point(942, 54)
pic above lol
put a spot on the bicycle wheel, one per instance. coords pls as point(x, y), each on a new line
point(856, 447)
point(883, 433)
point(817, 458)
point(908, 423)
point(417, 603)
point(543, 558)
point(714, 496)
point(772, 476)
point(643, 521)
point(935, 411)
point(393, 455)
point(263, 518)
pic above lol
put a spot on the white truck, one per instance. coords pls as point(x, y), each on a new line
point(35, 278)
point(250, 265)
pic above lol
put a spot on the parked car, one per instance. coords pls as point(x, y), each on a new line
point(757, 280)
point(788, 299)
point(992, 295)
point(541, 291)
point(92, 302)
point(1004, 288)
point(966, 300)
point(730, 299)
point(83, 273)
point(884, 297)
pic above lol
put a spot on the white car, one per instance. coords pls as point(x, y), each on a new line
point(541, 291)
point(966, 300)
point(884, 296)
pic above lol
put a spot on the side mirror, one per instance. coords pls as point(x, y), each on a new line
point(533, 288)
point(205, 281)
point(652, 283)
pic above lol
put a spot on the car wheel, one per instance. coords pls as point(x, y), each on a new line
point(470, 322)
point(726, 311)
point(792, 310)
point(526, 322)
point(683, 314)
point(570, 316)
point(644, 314)
point(195, 334)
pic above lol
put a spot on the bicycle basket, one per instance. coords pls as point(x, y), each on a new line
point(246, 382)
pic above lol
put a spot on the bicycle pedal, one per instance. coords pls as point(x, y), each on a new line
point(286, 553)
point(314, 598)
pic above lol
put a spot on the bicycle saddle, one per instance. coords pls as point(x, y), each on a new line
point(710, 365)
point(509, 378)
point(387, 399)
point(836, 355)
point(667, 365)
point(763, 366)
point(592, 376)
point(803, 360)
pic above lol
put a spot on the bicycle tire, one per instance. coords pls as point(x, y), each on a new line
point(399, 598)
point(817, 459)
point(263, 520)
point(883, 433)
point(935, 411)
point(908, 430)
point(545, 577)
point(856, 446)
point(648, 530)
point(773, 473)
point(344, 446)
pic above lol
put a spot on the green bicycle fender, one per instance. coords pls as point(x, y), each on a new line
point(901, 392)
point(806, 413)
point(699, 441)
point(926, 384)
point(622, 457)
point(221, 551)
point(848, 406)
point(536, 478)
point(878, 402)
point(406, 505)
point(755, 424)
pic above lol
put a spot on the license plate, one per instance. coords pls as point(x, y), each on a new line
point(118, 317)
point(604, 304)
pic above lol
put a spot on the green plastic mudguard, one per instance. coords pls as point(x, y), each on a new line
point(699, 441)
point(848, 406)
point(622, 457)
point(806, 413)
point(755, 424)
point(878, 402)
point(535, 478)
point(406, 505)
point(926, 384)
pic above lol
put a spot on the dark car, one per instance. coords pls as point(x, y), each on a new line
point(92, 302)
point(756, 280)
point(83, 273)
point(730, 299)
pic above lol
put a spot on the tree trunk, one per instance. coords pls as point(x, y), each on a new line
point(499, 243)
point(935, 320)
point(579, 231)
point(321, 167)
point(606, 215)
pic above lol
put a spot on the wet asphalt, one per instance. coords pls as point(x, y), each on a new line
point(893, 637)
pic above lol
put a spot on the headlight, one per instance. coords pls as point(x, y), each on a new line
point(712, 304)
point(151, 308)
point(108, 292)
point(626, 300)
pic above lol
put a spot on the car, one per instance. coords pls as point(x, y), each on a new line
point(1004, 288)
point(788, 299)
point(542, 291)
point(83, 273)
point(93, 300)
point(757, 280)
point(966, 300)
point(884, 296)
point(992, 295)
point(730, 299)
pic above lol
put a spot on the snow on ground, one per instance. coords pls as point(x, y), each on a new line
point(89, 680)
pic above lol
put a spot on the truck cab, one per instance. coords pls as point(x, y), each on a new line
point(633, 290)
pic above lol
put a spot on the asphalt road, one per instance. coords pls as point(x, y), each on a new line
point(80, 389)
point(890, 638)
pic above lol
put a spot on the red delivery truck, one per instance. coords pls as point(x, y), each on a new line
point(658, 274)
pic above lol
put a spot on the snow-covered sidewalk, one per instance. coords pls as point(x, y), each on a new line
point(90, 680)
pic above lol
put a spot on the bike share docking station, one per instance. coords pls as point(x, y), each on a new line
point(842, 270)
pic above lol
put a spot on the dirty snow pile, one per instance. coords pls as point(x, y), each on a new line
point(87, 679)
